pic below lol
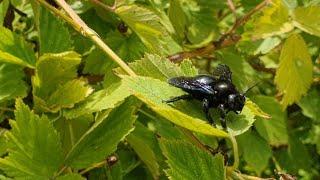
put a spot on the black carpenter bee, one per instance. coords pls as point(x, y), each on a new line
point(215, 91)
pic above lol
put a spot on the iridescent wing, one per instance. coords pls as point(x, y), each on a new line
point(200, 84)
point(222, 72)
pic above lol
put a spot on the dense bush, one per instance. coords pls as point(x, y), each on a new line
point(82, 85)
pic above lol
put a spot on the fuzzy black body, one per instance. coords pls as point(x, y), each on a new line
point(215, 91)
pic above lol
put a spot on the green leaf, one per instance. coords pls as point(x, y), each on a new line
point(57, 42)
point(194, 20)
point(273, 130)
point(306, 18)
point(147, 25)
point(188, 68)
point(178, 18)
point(203, 26)
point(159, 67)
point(55, 86)
point(161, 126)
point(256, 151)
point(240, 123)
point(68, 94)
point(145, 144)
point(70, 176)
point(274, 20)
point(310, 105)
point(3, 143)
point(53, 70)
point(314, 137)
point(294, 75)
point(71, 130)
point(103, 137)
point(188, 162)
point(34, 146)
point(128, 48)
point(153, 92)
point(297, 149)
point(3, 10)
point(11, 80)
point(100, 100)
point(13, 49)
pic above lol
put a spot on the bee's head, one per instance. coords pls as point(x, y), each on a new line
point(236, 102)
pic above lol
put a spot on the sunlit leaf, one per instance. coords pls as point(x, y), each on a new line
point(53, 70)
point(306, 18)
point(68, 94)
point(153, 92)
point(294, 75)
point(147, 25)
point(100, 100)
point(55, 86)
point(160, 68)
point(274, 20)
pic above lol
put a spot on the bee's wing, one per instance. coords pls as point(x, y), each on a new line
point(222, 72)
point(190, 84)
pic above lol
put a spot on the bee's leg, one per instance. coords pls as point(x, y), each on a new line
point(222, 116)
point(185, 96)
point(205, 106)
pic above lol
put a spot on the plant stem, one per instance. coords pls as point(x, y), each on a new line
point(96, 165)
point(71, 133)
point(232, 7)
point(60, 14)
point(235, 152)
point(194, 139)
point(60, 171)
point(102, 5)
point(86, 31)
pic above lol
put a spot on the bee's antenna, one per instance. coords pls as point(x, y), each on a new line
point(251, 87)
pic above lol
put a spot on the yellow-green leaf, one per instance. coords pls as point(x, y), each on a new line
point(307, 19)
point(294, 74)
point(273, 21)
point(148, 26)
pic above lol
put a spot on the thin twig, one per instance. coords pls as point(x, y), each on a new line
point(194, 139)
point(247, 16)
point(232, 7)
point(60, 14)
point(96, 165)
point(6, 109)
point(104, 6)
point(227, 39)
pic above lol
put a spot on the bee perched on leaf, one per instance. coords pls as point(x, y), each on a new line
point(216, 91)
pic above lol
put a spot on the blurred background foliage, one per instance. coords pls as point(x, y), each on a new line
point(90, 125)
